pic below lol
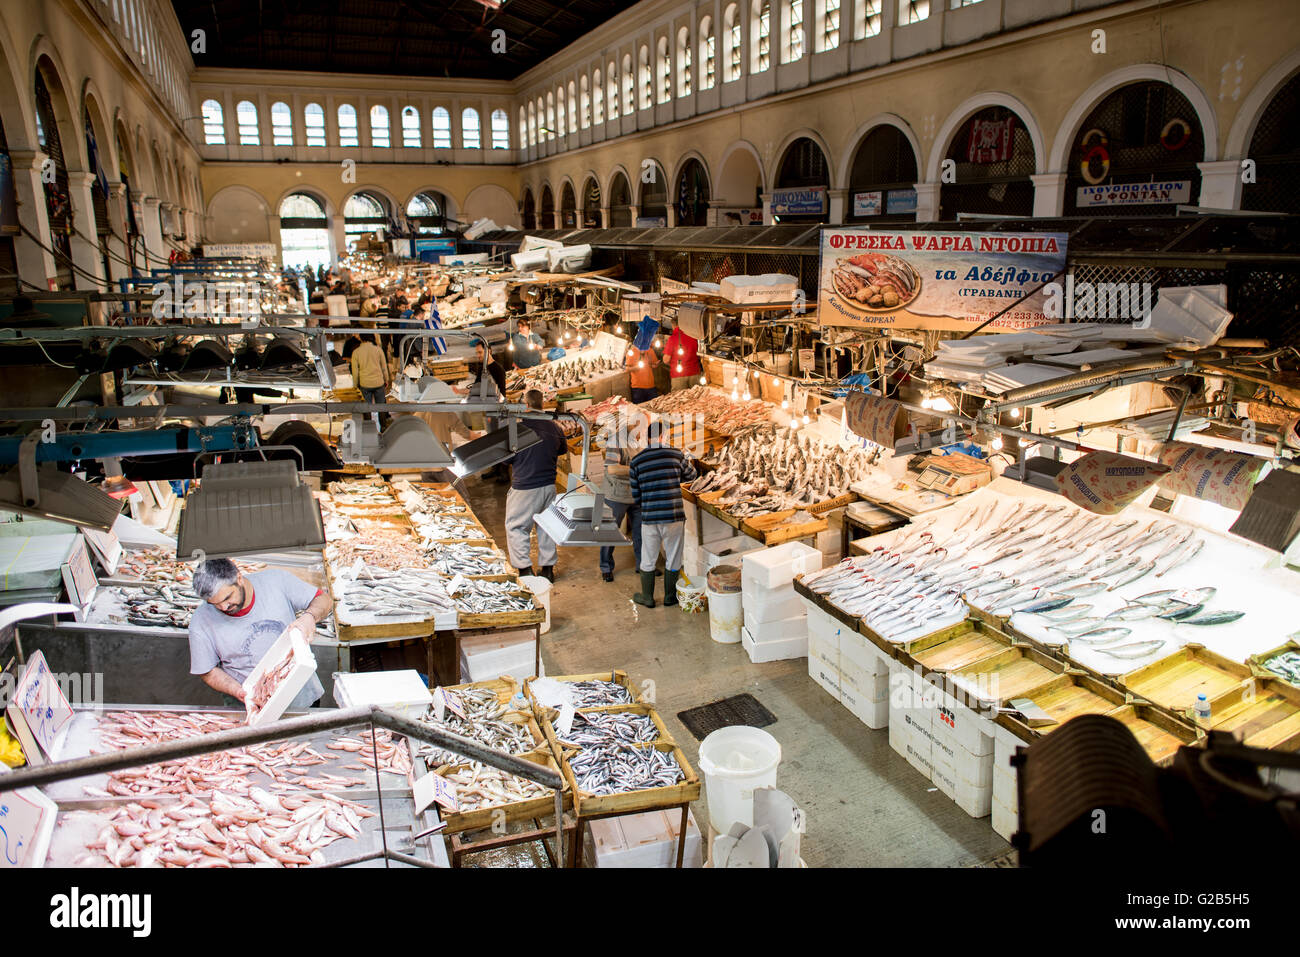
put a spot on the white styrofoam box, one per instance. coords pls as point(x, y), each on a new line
point(766, 631)
point(919, 755)
point(828, 543)
point(1004, 788)
point(866, 686)
point(767, 287)
point(968, 729)
point(783, 650)
point(823, 627)
point(974, 800)
point(645, 840)
point(825, 646)
point(900, 735)
point(865, 655)
point(401, 691)
point(822, 672)
point(727, 551)
point(774, 604)
point(874, 714)
point(1004, 746)
point(779, 565)
point(705, 527)
point(304, 666)
point(483, 657)
point(1004, 820)
point(528, 261)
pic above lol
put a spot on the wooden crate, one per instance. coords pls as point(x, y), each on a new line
point(646, 799)
point(502, 619)
point(1175, 680)
point(776, 527)
point(1068, 696)
point(845, 619)
point(1256, 662)
point(547, 717)
point(505, 688)
point(830, 504)
point(461, 821)
point(617, 677)
point(1265, 715)
point(1159, 733)
point(954, 648)
point(1008, 674)
point(883, 643)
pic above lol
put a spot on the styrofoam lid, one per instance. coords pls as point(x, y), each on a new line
point(381, 688)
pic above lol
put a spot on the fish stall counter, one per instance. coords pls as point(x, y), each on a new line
point(312, 800)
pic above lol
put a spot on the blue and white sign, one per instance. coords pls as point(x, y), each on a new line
point(1134, 194)
point(799, 202)
point(900, 201)
point(867, 204)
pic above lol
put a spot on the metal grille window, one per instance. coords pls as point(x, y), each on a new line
point(379, 133)
point(665, 72)
point(647, 87)
point(348, 126)
point(470, 134)
point(710, 61)
point(573, 111)
point(548, 210)
point(568, 208)
point(424, 212)
point(912, 11)
point(58, 200)
point(530, 211)
point(441, 129)
point(363, 213)
point(763, 44)
point(523, 128)
point(281, 125)
point(867, 19)
point(1275, 148)
point(559, 112)
point(410, 126)
point(831, 25)
point(500, 130)
point(796, 30)
point(883, 167)
point(591, 205)
point(611, 79)
point(684, 63)
point(246, 120)
point(314, 117)
point(598, 100)
point(585, 103)
point(627, 86)
point(986, 181)
point(958, 4)
point(550, 115)
point(733, 57)
point(214, 126)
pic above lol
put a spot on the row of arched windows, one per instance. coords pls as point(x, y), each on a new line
point(349, 131)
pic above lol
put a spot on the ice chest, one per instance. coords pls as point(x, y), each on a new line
point(723, 552)
point(645, 840)
point(779, 565)
point(769, 604)
point(779, 630)
point(781, 650)
point(484, 657)
point(400, 691)
point(304, 666)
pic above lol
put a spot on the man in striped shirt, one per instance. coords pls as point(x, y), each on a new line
point(656, 476)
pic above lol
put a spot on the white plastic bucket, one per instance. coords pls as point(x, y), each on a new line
point(691, 598)
point(726, 615)
point(734, 762)
point(540, 587)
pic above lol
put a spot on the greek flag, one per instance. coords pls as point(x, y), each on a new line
point(436, 343)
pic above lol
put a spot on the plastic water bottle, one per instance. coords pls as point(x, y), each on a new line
point(1202, 708)
point(519, 702)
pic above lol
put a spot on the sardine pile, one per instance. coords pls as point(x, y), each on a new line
point(419, 499)
point(715, 411)
point(361, 493)
point(484, 711)
point(465, 559)
point(769, 468)
point(479, 786)
point(485, 597)
point(447, 528)
point(1286, 664)
point(619, 767)
point(597, 728)
point(408, 593)
point(561, 374)
point(226, 831)
point(596, 693)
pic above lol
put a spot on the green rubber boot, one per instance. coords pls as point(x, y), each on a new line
point(670, 587)
point(647, 594)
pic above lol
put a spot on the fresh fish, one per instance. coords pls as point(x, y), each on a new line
point(1133, 575)
point(1083, 589)
point(1103, 636)
point(1047, 604)
point(596, 692)
point(1213, 618)
point(1155, 597)
point(1132, 613)
point(1069, 613)
point(1181, 557)
point(1177, 610)
point(1139, 649)
point(1172, 546)
point(1080, 626)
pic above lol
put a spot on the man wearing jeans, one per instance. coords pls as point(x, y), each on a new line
point(656, 476)
point(532, 490)
point(370, 374)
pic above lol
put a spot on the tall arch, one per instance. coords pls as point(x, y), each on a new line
point(841, 180)
point(882, 168)
point(546, 212)
point(967, 109)
point(239, 214)
point(589, 202)
point(652, 197)
point(995, 146)
point(568, 205)
point(619, 199)
point(738, 184)
point(490, 201)
point(778, 155)
point(691, 190)
point(529, 209)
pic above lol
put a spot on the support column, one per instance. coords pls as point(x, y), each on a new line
point(1049, 194)
point(35, 265)
point(152, 230)
point(1220, 184)
point(117, 220)
point(837, 200)
point(715, 212)
point(671, 218)
point(604, 217)
point(85, 252)
point(340, 237)
point(927, 202)
point(767, 209)
point(633, 212)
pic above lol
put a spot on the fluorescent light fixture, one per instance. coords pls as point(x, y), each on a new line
point(244, 508)
point(46, 492)
point(572, 520)
point(409, 443)
point(490, 450)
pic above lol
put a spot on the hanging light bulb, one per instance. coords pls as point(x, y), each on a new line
point(630, 351)
point(996, 443)
point(785, 403)
point(618, 330)
point(640, 363)
point(656, 342)
point(704, 380)
point(679, 367)
point(940, 404)
point(734, 395)
point(806, 420)
point(1015, 413)
point(794, 424)
point(510, 346)
point(776, 383)
point(747, 395)
point(681, 351)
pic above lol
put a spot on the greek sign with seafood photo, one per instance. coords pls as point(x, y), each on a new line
point(936, 280)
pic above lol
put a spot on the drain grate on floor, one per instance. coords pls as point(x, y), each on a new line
point(738, 709)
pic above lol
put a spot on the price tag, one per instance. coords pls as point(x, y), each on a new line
point(564, 723)
point(355, 571)
point(439, 705)
point(454, 706)
point(434, 788)
point(41, 703)
point(1187, 596)
point(26, 825)
point(455, 584)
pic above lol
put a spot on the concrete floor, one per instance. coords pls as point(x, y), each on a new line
point(866, 806)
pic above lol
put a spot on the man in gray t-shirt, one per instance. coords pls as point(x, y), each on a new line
point(241, 619)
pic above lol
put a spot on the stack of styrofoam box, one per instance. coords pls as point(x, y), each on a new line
point(484, 657)
point(864, 679)
point(824, 637)
point(963, 751)
point(700, 527)
point(776, 624)
point(645, 840)
point(1006, 799)
point(912, 705)
point(728, 551)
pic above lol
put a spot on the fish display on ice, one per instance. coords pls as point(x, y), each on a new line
point(711, 408)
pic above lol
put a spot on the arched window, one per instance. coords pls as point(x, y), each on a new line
point(573, 109)
point(523, 128)
point(550, 116)
point(653, 201)
point(692, 194)
point(1275, 147)
point(611, 81)
point(547, 220)
point(866, 19)
point(591, 205)
point(598, 100)
point(364, 213)
point(348, 126)
point(281, 125)
point(993, 157)
point(410, 126)
point(584, 103)
point(647, 82)
point(761, 53)
point(629, 105)
point(425, 212)
point(58, 198)
point(471, 135)
point(532, 125)
point(314, 117)
point(882, 179)
point(304, 231)
point(664, 64)
point(529, 215)
point(913, 11)
point(831, 25)
point(441, 129)
point(794, 44)
point(214, 127)
point(568, 208)
point(708, 54)
point(379, 133)
point(731, 20)
point(683, 62)
point(559, 111)
point(620, 201)
point(246, 120)
point(500, 130)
